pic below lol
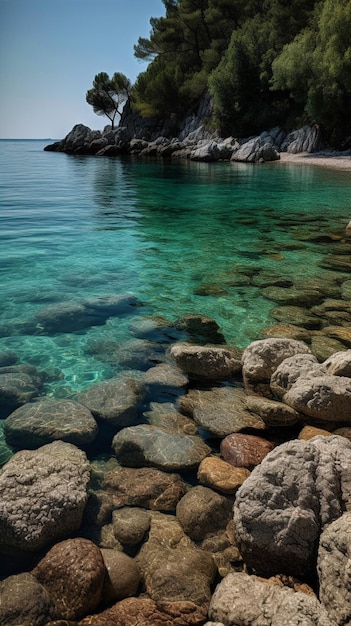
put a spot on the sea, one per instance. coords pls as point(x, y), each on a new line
point(178, 236)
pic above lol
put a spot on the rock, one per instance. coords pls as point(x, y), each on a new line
point(339, 364)
point(43, 495)
point(323, 398)
point(308, 432)
point(18, 385)
point(5, 451)
point(165, 415)
point(345, 431)
point(289, 331)
point(139, 354)
point(323, 347)
point(207, 363)
point(200, 327)
point(165, 379)
point(73, 572)
point(147, 487)
point(290, 370)
point(41, 422)
point(333, 564)
point(218, 474)
point(7, 358)
point(262, 357)
point(122, 577)
point(245, 450)
point(273, 413)
point(296, 315)
point(348, 229)
point(208, 152)
point(282, 507)
point(173, 568)
point(305, 139)
point(258, 149)
point(68, 317)
point(130, 525)
point(220, 410)
point(117, 401)
point(337, 263)
point(293, 296)
point(146, 612)
point(245, 600)
point(339, 333)
point(24, 601)
point(146, 445)
point(203, 512)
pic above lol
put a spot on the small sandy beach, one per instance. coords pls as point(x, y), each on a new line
point(333, 160)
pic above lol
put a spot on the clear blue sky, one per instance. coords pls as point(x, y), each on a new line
point(50, 51)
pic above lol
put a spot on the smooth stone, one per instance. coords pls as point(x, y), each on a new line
point(153, 329)
point(117, 401)
point(17, 387)
point(145, 445)
point(45, 491)
point(308, 432)
point(218, 474)
point(325, 398)
point(173, 567)
point(165, 415)
point(23, 601)
point(342, 334)
point(200, 327)
point(327, 286)
point(273, 413)
point(289, 331)
point(139, 354)
point(323, 347)
point(293, 296)
point(334, 312)
point(333, 564)
point(38, 423)
point(339, 364)
point(203, 512)
point(122, 576)
point(73, 572)
point(205, 362)
point(290, 370)
point(282, 507)
point(165, 379)
point(245, 450)
point(262, 357)
point(220, 410)
point(7, 359)
point(68, 317)
point(296, 315)
point(345, 431)
point(149, 488)
point(130, 525)
point(245, 600)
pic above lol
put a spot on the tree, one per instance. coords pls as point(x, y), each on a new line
point(109, 94)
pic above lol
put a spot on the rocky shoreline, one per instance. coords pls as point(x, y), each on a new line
point(221, 495)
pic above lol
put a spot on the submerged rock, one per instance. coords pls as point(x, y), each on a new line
point(204, 362)
point(24, 601)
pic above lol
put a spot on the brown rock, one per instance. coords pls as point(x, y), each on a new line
point(345, 431)
point(165, 415)
point(342, 333)
point(220, 475)
point(245, 450)
point(122, 576)
point(203, 512)
point(272, 413)
point(130, 524)
point(145, 612)
point(24, 601)
point(287, 330)
point(323, 347)
point(308, 432)
point(206, 362)
point(145, 487)
point(73, 572)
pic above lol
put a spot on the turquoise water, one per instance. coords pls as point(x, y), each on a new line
point(182, 237)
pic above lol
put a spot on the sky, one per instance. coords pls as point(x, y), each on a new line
point(50, 51)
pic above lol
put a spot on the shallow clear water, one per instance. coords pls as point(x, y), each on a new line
point(173, 234)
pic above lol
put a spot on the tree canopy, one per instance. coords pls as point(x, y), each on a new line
point(109, 94)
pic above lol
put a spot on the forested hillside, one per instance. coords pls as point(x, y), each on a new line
point(265, 62)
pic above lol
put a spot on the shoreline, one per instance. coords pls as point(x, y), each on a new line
point(322, 159)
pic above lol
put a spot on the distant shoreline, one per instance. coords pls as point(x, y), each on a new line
point(324, 159)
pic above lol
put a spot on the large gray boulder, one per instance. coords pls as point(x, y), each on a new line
point(286, 502)
point(42, 496)
point(242, 600)
point(262, 357)
point(334, 556)
point(289, 370)
point(38, 423)
point(305, 139)
point(325, 398)
point(145, 445)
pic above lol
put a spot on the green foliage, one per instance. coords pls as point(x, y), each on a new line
point(109, 94)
